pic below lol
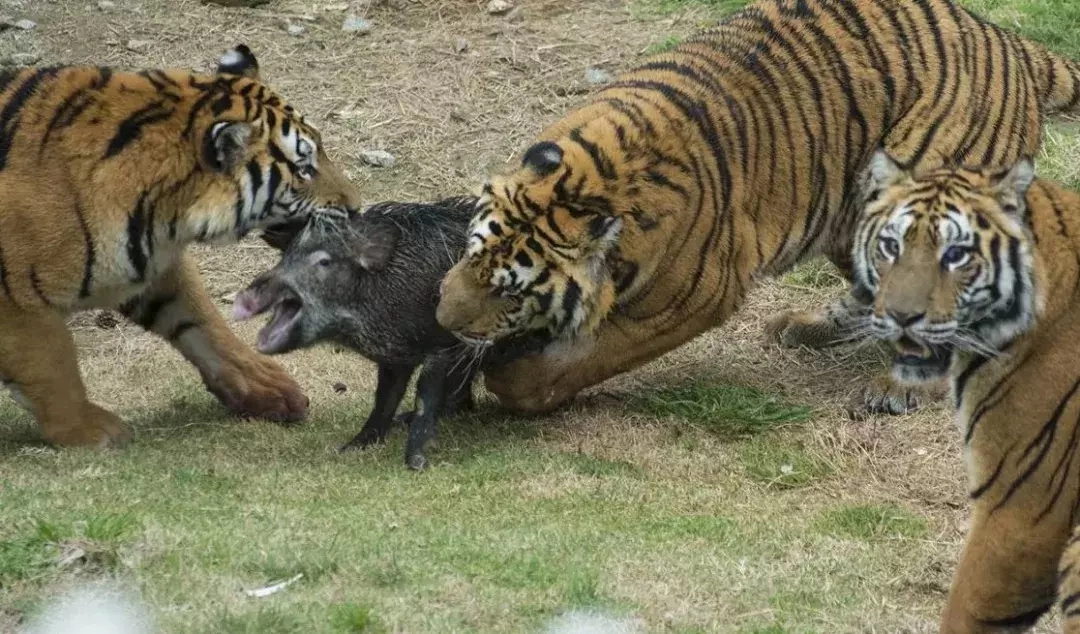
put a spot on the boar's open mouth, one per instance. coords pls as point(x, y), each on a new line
point(279, 334)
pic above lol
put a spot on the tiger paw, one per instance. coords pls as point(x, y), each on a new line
point(794, 328)
point(886, 396)
point(520, 388)
point(94, 427)
point(256, 387)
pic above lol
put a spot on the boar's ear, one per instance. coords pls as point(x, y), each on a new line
point(375, 245)
point(280, 236)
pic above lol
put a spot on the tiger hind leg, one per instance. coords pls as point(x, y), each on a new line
point(178, 308)
point(39, 365)
point(1069, 585)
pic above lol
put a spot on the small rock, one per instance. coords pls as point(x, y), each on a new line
point(517, 14)
point(356, 24)
point(24, 59)
point(499, 7)
point(25, 25)
point(597, 76)
point(378, 158)
point(138, 46)
point(106, 5)
point(340, 388)
point(296, 30)
point(461, 45)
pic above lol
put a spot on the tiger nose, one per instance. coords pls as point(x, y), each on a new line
point(904, 318)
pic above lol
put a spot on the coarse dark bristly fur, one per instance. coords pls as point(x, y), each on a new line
point(372, 285)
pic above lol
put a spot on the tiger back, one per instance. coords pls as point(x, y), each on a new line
point(974, 275)
point(642, 218)
point(105, 177)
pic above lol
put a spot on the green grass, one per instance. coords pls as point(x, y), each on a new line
point(871, 522)
point(816, 274)
point(1050, 22)
point(723, 409)
point(666, 44)
point(774, 463)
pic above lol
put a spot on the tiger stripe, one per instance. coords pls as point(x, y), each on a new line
point(1005, 317)
point(734, 156)
point(137, 165)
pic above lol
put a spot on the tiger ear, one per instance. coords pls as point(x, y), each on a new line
point(883, 170)
point(226, 145)
point(239, 61)
point(543, 158)
point(1012, 187)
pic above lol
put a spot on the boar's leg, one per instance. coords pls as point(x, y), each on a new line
point(430, 394)
point(393, 381)
point(457, 391)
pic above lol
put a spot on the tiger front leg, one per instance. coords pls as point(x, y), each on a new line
point(537, 383)
point(178, 308)
point(1006, 577)
point(842, 321)
point(38, 362)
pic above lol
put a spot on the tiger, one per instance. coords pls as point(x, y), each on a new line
point(106, 176)
point(973, 275)
point(642, 218)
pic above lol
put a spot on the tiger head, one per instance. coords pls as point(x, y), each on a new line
point(948, 258)
point(272, 159)
point(536, 260)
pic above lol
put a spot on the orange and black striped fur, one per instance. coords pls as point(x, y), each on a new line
point(105, 177)
point(641, 219)
point(974, 275)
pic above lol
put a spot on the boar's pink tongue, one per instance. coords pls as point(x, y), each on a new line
point(275, 336)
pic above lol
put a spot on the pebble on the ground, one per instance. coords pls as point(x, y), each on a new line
point(378, 158)
point(499, 7)
point(597, 76)
point(356, 24)
point(296, 30)
point(138, 46)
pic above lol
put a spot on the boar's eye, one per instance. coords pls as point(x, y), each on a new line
point(320, 258)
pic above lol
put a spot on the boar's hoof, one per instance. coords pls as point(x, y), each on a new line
point(416, 461)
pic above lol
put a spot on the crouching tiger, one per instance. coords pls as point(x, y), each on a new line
point(642, 219)
point(974, 274)
point(106, 177)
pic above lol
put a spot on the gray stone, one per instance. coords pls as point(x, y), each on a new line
point(106, 5)
point(25, 25)
point(138, 46)
point(499, 7)
point(356, 24)
point(378, 158)
point(461, 45)
point(597, 76)
point(296, 30)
